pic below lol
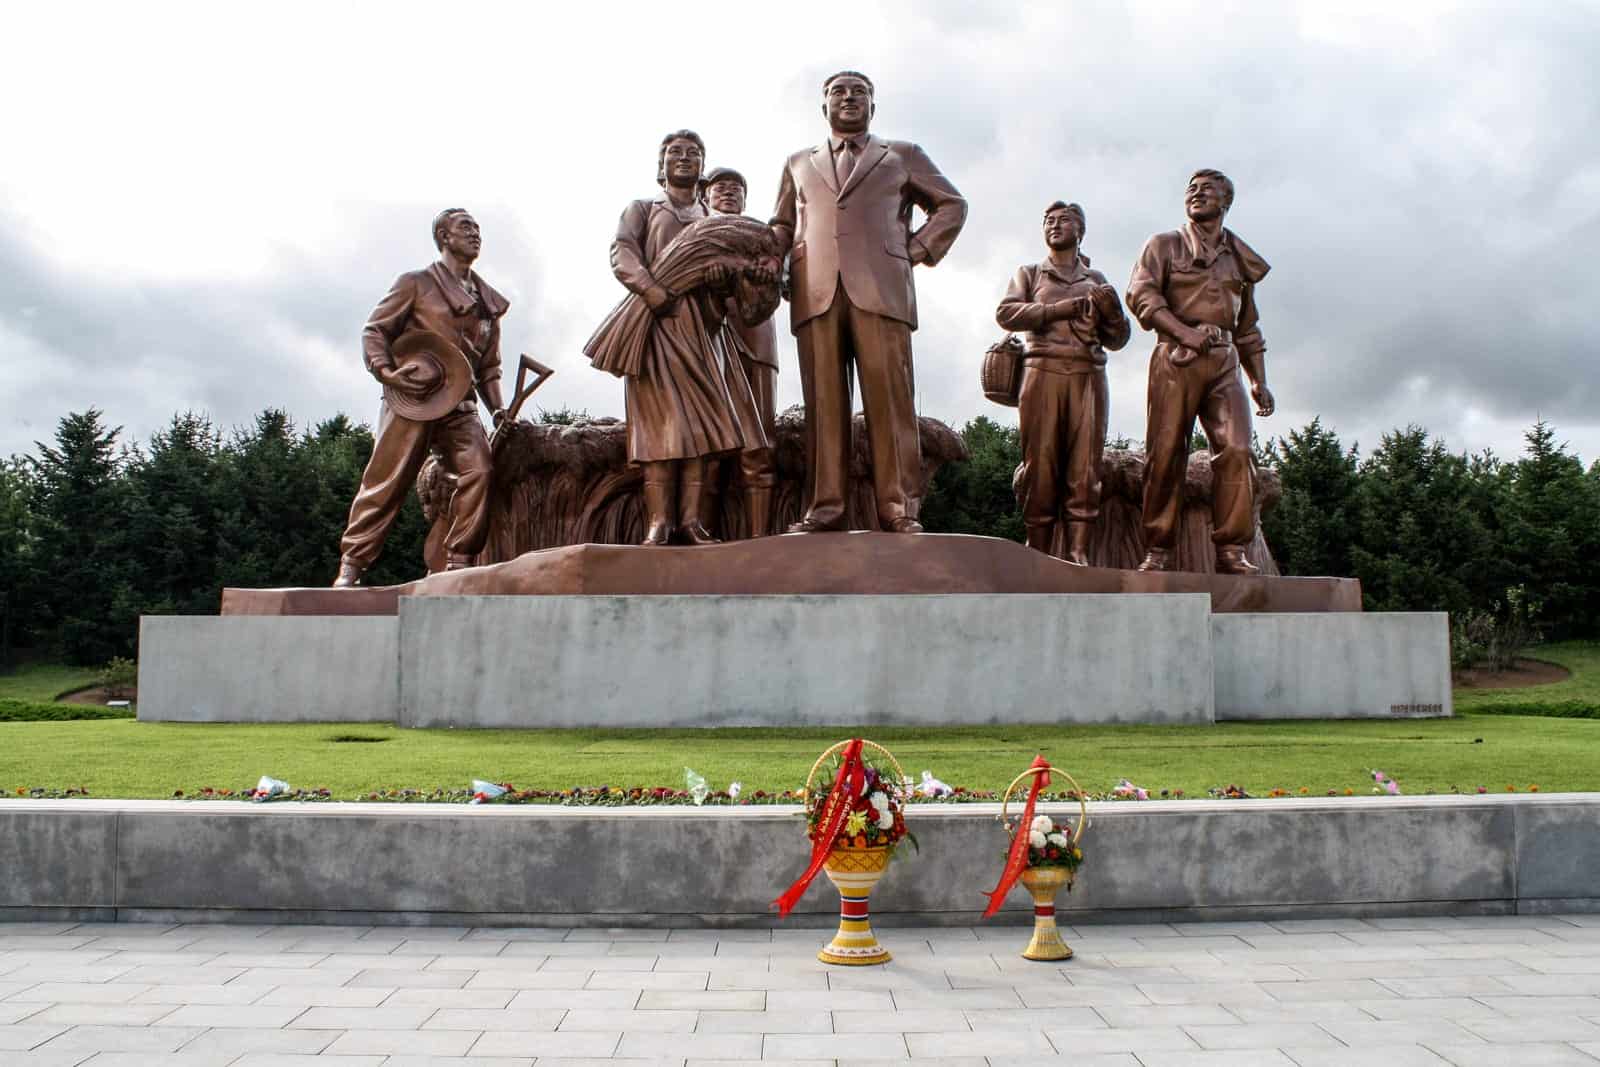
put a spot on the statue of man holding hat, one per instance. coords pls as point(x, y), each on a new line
point(432, 340)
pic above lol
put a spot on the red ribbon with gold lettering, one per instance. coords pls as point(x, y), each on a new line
point(1017, 860)
point(847, 784)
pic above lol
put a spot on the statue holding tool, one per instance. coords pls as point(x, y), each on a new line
point(431, 341)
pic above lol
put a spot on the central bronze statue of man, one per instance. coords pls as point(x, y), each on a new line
point(844, 219)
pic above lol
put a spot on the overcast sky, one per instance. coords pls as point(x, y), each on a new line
point(199, 205)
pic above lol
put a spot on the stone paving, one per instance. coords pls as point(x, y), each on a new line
point(1393, 992)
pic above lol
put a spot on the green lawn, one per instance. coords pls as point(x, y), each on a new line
point(1573, 696)
point(132, 759)
point(45, 681)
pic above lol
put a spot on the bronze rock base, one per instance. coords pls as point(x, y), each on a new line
point(853, 563)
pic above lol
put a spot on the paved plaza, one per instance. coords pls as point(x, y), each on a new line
point(1393, 992)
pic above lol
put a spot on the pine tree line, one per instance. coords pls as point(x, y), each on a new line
point(1424, 528)
point(96, 531)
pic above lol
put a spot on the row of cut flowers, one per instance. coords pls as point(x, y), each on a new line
point(624, 796)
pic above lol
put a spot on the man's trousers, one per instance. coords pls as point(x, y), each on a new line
point(756, 464)
point(397, 455)
point(878, 349)
point(1211, 389)
point(1061, 420)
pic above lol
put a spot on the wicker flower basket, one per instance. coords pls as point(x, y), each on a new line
point(854, 872)
point(1044, 882)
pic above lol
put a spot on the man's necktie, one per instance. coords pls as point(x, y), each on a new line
point(844, 162)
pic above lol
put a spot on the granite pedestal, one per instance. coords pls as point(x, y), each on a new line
point(841, 629)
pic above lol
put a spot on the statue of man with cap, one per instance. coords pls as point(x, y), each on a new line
point(430, 341)
point(1071, 316)
point(756, 348)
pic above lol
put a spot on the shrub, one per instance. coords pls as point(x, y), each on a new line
point(119, 677)
point(1493, 638)
point(1552, 709)
point(34, 711)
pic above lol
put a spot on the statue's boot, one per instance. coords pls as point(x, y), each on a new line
point(349, 575)
point(758, 509)
point(1078, 543)
point(1157, 559)
point(658, 490)
point(1231, 560)
point(691, 498)
point(1041, 537)
point(457, 562)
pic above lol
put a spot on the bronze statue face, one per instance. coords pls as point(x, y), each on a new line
point(1063, 228)
point(726, 196)
point(1205, 200)
point(848, 104)
point(683, 162)
point(462, 238)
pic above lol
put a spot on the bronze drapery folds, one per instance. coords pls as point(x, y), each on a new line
point(664, 340)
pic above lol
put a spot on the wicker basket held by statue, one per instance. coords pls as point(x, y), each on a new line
point(1002, 371)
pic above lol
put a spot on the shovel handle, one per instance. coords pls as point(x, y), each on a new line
point(540, 372)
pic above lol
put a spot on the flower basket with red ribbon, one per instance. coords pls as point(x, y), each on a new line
point(854, 828)
point(1044, 856)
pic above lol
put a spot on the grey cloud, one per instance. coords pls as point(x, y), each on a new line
point(141, 350)
point(1429, 209)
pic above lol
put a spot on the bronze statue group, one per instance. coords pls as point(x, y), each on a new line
point(695, 345)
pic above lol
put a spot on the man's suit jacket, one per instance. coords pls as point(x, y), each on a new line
point(862, 233)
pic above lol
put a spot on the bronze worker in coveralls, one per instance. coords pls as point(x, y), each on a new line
point(1196, 288)
point(725, 193)
point(844, 218)
point(1071, 316)
point(682, 407)
point(448, 300)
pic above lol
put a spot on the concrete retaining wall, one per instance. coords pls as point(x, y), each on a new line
point(1332, 666)
point(162, 860)
point(793, 660)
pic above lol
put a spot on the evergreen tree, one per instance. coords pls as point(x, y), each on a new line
point(1310, 529)
point(175, 511)
point(86, 595)
point(18, 572)
point(976, 497)
point(1553, 532)
point(290, 498)
point(1422, 531)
